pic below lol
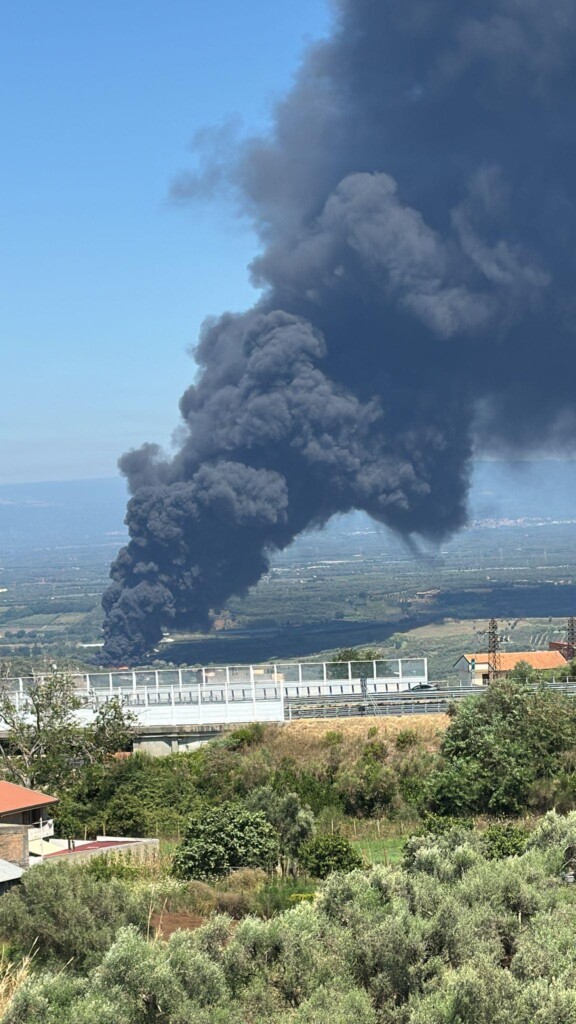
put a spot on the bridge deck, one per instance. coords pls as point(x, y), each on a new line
point(267, 693)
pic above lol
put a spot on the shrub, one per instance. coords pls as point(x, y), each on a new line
point(246, 736)
point(407, 738)
point(279, 895)
point(293, 822)
point(368, 788)
point(323, 854)
point(332, 738)
point(504, 840)
point(414, 772)
point(316, 789)
point(220, 839)
point(500, 745)
point(439, 825)
point(446, 854)
point(554, 832)
point(374, 750)
point(67, 914)
point(111, 866)
point(235, 903)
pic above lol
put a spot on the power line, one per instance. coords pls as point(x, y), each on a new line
point(494, 662)
point(571, 638)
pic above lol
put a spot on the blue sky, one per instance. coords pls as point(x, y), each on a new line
point(103, 283)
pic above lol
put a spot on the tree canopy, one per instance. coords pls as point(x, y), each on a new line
point(219, 839)
point(507, 749)
point(47, 742)
point(450, 938)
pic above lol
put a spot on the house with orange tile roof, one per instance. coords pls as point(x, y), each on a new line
point(21, 806)
point(474, 669)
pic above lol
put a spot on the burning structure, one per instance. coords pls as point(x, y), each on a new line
point(415, 201)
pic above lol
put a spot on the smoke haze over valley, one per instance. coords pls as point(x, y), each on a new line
point(415, 202)
point(55, 516)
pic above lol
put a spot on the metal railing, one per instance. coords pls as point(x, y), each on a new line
point(399, 672)
point(252, 693)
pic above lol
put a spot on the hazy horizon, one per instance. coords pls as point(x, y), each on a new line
point(91, 511)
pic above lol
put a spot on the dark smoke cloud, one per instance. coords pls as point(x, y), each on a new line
point(416, 206)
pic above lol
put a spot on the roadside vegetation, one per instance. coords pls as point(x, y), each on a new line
point(451, 936)
point(378, 871)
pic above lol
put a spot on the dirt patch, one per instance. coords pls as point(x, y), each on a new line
point(167, 923)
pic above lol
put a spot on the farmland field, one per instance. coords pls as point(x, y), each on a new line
point(351, 584)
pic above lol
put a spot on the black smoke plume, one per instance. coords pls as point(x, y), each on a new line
point(415, 201)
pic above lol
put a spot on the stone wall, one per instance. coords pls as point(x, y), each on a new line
point(139, 849)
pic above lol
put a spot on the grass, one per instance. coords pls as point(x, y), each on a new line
point(308, 737)
point(12, 976)
point(382, 851)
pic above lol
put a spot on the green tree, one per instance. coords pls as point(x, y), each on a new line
point(323, 854)
point(47, 742)
point(293, 822)
point(523, 673)
point(347, 654)
point(366, 654)
point(219, 839)
point(500, 746)
point(504, 839)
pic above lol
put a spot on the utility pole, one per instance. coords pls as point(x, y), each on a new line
point(493, 649)
point(571, 638)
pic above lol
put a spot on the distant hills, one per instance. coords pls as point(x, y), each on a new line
point(79, 513)
point(71, 513)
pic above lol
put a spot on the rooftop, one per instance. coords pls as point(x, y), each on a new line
point(509, 659)
point(9, 872)
point(15, 798)
point(96, 844)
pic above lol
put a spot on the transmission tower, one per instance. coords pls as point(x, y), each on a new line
point(493, 649)
point(571, 638)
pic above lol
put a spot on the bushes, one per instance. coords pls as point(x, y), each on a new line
point(501, 747)
point(136, 796)
point(323, 854)
point(246, 736)
point(407, 738)
point(504, 840)
point(248, 891)
point(144, 796)
point(509, 749)
point(67, 915)
point(292, 822)
point(220, 839)
point(315, 788)
point(137, 982)
point(455, 939)
point(368, 789)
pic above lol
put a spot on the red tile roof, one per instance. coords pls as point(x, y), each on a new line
point(97, 844)
point(509, 659)
point(15, 798)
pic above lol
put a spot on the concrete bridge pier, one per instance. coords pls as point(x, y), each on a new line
point(162, 740)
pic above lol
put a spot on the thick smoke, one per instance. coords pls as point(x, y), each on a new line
point(416, 206)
